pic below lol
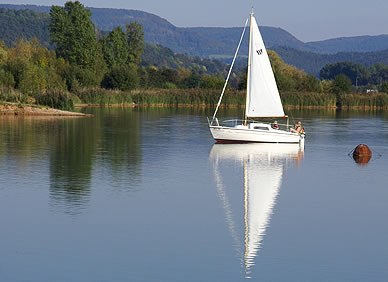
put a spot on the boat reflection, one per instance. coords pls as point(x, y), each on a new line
point(262, 166)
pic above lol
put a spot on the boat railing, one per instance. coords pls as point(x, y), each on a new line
point(235, 122)
point(226, 122)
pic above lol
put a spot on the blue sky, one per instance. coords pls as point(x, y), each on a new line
point(308, 20)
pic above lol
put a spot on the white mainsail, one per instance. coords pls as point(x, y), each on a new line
point(263, 99)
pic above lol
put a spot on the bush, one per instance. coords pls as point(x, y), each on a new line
point(169, 85)
point(77, 78)
point(12, 95)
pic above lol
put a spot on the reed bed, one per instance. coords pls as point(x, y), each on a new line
point(195, 97)
point(191, 97)
point(364, 101)
point(232, 98)
point(308, 100)
point(100, 96)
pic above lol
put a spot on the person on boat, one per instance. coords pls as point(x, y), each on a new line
point(297, 128)
point(275, 125)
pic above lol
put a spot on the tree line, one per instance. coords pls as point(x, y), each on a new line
point(374, 76)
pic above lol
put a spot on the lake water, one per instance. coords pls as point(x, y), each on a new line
point(145, 195)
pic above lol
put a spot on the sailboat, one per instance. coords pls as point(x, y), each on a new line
point(262, 101)
point(263, 167)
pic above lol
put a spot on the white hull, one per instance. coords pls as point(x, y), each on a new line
point(245, 134)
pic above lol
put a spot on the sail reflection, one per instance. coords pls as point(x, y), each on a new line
point(262, 166)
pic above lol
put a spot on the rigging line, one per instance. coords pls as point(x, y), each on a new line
point(230, 71)
point(380, 155)
point(351, 152)
point(292, 117)
point(227, 207)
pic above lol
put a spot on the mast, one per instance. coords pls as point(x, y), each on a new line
point(245, 217)
point(249, 67)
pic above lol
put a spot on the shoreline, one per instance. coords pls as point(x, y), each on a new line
point(35, 110)
point(180, 105)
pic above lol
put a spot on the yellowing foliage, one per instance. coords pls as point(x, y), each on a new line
point(35, 68)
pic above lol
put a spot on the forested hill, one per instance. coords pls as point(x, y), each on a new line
point(202, 42)
point(350, 44)
point(15, 24)
point(312, 62)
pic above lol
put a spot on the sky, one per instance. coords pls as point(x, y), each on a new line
point(307, 20)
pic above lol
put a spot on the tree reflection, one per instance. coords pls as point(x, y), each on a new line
point(72, 151)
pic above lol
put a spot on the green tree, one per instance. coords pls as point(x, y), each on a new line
point(135, 37)
point(242, 81)
point(73, 33)
point(211, 82)
point(378, 73)
point(191, 82)
point(342, 84)
point(384, 87)
point(151, 77)
point(357, 73)
point(310, 84)
point(3, 53)
point(122, 78)
point(115, 48)
point(326, 86)
point(6, 79)
point(35, 69)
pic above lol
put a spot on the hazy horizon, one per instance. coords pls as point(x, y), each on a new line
point(306, 20)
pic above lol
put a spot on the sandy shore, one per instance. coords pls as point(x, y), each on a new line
point(32, 110)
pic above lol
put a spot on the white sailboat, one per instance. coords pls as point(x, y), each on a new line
point(263, 166)
point(262, 101)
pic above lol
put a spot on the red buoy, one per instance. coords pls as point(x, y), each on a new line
point(362, 154)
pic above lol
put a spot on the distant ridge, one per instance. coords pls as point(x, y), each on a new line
point(365, 43)
point(312, 62)
point(207, 41)
point(210, 42)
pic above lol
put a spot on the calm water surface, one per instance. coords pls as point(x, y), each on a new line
point(145, 195)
